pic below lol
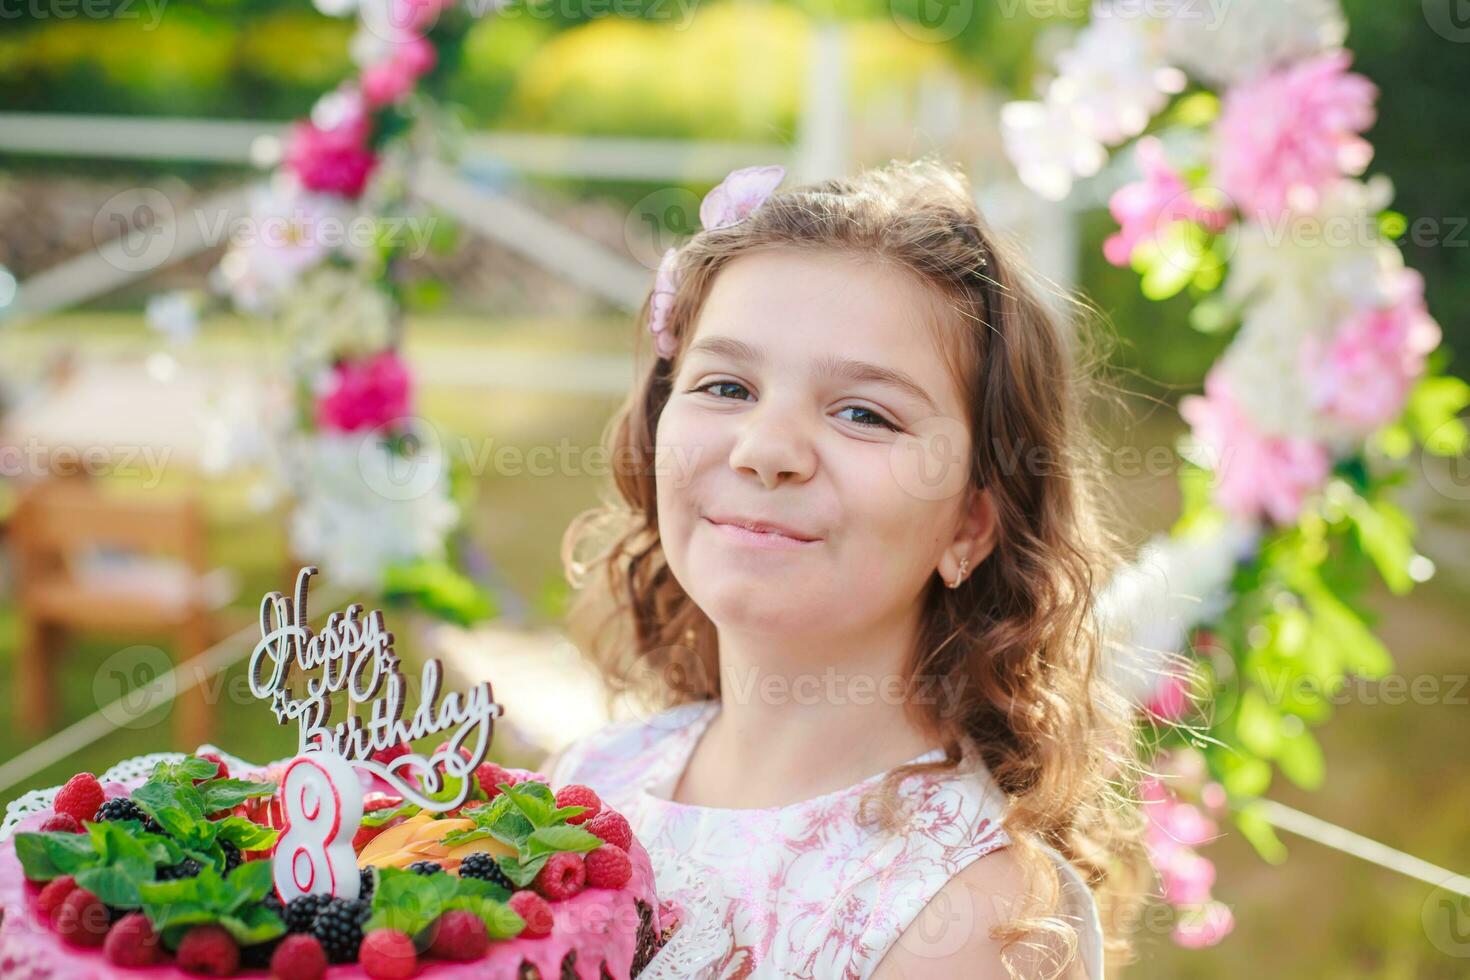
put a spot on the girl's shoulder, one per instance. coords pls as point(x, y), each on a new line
point(626, 751)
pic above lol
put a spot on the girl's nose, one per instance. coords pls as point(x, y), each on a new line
point(773, 444)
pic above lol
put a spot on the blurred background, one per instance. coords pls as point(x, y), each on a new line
point(580, 137)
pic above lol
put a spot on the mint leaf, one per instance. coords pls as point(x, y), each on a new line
point(116, 884)
point(408, 902)
point(487, 900)
point(253, 924)
point(561, 814)
point(251, 882)
point(564, 838)
point(179, 808)
point(226, 794)
point(536, 807)
point(522, 870)
point(51, 854)
point(378, 818)
point(245, 834)
point(183, 771)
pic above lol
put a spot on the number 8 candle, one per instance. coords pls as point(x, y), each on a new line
point(321, 799)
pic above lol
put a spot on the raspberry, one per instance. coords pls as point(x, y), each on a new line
point(612, 827)
point(562, 876)
point(461, 936)
point(442, 746)
point(80, 797)
point(209, 950)
point(299, 957)
point(608, 867)
point(388, 954)
point(54, 894)
point(132, 942)
point(82, 919)
point(578, 795)
point(385, 756)
point(484, 866)
point(61, 823)
point(536, 913)
point(488, 775)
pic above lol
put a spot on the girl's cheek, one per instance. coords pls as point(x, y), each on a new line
point(931, 461)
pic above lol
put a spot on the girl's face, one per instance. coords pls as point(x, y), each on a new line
point(814, 400)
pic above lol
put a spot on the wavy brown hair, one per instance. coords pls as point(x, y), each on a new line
point(1021, 635)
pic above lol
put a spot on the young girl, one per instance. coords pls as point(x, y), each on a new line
point(853, 573)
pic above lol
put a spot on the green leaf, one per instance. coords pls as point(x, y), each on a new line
point(179, 808)
point(253, 924)
point(501, 921)
point(245, 834)
point(378, 818)
point(251, 882)
point(534, 800)
point(51, 854)
point(408, 902)
point(116, 884)
point(1300, 758)
point(1255, 828)
point(1386, 534)
point(522, 870)
point(226, 794)
point(563, 838)
point(1258, 724)
point(184, 771)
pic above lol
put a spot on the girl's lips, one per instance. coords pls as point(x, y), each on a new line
point(758, 539)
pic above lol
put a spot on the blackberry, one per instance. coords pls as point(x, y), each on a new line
point(425, 868)
point(114, 913)
point(122, 808)
point(187, 868)
point(272, 901)
point(301, 913)
point(486, 868)
point(338, 928)
point(369, 883)
point(232, 856)
point(258, 957)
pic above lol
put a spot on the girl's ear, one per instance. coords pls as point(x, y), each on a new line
point(974, 539)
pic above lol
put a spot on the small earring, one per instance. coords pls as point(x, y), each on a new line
point(964, 567)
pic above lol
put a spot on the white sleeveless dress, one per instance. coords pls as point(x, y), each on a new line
point(803, 891)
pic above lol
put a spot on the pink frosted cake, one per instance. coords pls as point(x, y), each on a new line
point(168, 876)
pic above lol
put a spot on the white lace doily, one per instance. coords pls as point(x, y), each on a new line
point(131, 770)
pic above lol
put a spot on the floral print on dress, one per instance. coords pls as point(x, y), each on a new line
point(806, 892)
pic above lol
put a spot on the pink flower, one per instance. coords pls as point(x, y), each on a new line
point(415, 16)
point(665, 284)
point(1363, 376)
point(385, 83)
point(1188, 879)
point(365, 394)
point(1284, 137)
point(332, 161)
point(1204, 926)
point(1255, 473)
point(1170, 700)
point(1145, 208)
point(740, 193)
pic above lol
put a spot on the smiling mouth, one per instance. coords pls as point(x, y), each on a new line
point(758, 531)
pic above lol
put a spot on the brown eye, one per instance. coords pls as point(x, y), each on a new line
point(871, 418)
point(720, 384)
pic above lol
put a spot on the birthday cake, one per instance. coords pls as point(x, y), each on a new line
point(357, 857)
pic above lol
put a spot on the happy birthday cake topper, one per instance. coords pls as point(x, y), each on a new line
point(355, 653)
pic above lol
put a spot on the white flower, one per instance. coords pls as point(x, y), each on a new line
point(335, 313)
point(175, 315)
point(1149, 607)
point(1222, 44)
point(1049, 147)
point(289, 231)
point(1114, 78)
point(1299, 277)
point(361, 508)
